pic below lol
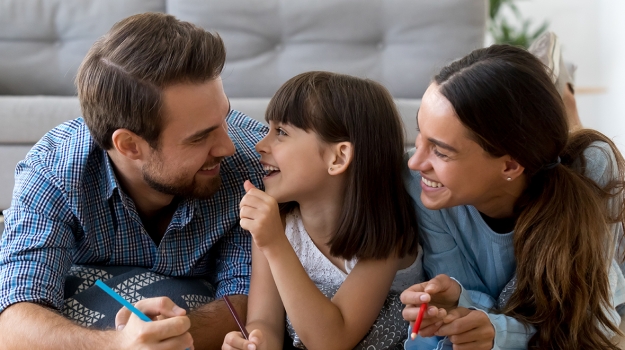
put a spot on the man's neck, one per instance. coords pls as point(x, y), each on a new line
point(148, 201)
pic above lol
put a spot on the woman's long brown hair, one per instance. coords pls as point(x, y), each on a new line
point(563, 238)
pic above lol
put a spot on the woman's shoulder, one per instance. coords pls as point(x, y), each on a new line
point(601, 165)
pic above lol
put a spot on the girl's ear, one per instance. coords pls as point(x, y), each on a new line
point(128, 144)
point(341, 157)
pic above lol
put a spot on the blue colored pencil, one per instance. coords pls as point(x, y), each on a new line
point(122, 301)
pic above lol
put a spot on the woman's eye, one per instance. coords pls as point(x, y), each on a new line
point(439, 154)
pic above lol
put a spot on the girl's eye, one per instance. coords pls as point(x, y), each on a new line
point(439, 154)
point(281, 132)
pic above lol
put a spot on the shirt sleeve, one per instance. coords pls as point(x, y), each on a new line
point(35, 251)
point(510, 333)
point(234, 263)
point(513, 334)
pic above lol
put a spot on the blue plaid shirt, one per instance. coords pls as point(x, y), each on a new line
point(68, 208)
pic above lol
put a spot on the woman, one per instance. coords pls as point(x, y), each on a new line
point(509, 201)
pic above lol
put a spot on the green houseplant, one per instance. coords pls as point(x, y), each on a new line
point(504, 32)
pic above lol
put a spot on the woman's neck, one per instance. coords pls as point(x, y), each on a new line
point(501, 202)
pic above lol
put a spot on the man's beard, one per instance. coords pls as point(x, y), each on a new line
point(183, 186)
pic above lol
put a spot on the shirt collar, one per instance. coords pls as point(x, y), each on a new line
point(111, 180)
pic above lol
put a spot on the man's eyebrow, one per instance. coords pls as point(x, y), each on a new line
point(203, 133)
point(442, 145)
point(200, 134)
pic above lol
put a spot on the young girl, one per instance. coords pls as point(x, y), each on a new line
point(523, 214)
point(334, 157)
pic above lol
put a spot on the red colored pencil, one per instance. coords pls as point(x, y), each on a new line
point(246, 335)
point(417, 324)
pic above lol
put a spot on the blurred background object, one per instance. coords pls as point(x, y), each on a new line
point(520, 32)
point(592, 37)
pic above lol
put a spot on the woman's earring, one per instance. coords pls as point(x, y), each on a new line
point(330, 169)
point(509, 178)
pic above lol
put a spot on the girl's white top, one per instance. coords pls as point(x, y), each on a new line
point(322, 271)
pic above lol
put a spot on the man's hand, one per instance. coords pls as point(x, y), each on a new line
point(261, 216)
point(169, 331)
point(468, 329)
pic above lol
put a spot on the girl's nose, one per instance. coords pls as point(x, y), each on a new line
point(261, 146)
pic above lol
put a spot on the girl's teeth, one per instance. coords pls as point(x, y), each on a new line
point(270, 168)
point(433, 184)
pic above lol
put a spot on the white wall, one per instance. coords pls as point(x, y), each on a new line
point(592, 33)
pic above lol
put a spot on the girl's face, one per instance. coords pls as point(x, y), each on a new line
point(455, 170)
point(296, 161)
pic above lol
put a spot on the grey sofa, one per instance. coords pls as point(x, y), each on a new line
point(399, 43)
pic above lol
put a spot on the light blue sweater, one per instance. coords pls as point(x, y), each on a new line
point(457, 242)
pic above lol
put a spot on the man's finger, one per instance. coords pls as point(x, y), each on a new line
point(164, 306)
point(184, 341)
point(171, 327)
point(152, 307)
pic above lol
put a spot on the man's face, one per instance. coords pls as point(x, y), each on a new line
point(193, 141)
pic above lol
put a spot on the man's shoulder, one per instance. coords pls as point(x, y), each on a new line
point(62, 152)
point(64, 138)
point(245, 133)
point(244, 129)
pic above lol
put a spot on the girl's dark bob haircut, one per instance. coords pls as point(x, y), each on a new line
point(377, 219)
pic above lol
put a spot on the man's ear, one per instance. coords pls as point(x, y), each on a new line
point(341, 157)
point(129, 144)
point(512, 169)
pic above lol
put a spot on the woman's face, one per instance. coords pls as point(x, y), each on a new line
point(455, 170)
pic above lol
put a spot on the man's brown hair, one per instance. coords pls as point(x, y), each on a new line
point(121, 79)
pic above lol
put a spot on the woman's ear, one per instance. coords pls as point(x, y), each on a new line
point(512, 169)
point(128, 144)
point(341, 157)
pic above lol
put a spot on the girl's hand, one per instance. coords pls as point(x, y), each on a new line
point(468, 329)
point(260, 215)
point(235, 341)
point(442, 294)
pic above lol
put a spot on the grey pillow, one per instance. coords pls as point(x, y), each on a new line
point(389, 331)
point(89, 306)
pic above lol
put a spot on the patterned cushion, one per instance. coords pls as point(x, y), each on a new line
point(389, 331)
point(89, 306)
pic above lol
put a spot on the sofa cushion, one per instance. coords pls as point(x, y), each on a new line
point(400, 43)
point(42, 42)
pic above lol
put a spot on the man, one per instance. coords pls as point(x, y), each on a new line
point(150, 178)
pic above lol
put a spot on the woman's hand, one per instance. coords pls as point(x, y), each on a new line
point(260, 215)
point(235, 341)
point(468, 329)
point(442, 294)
